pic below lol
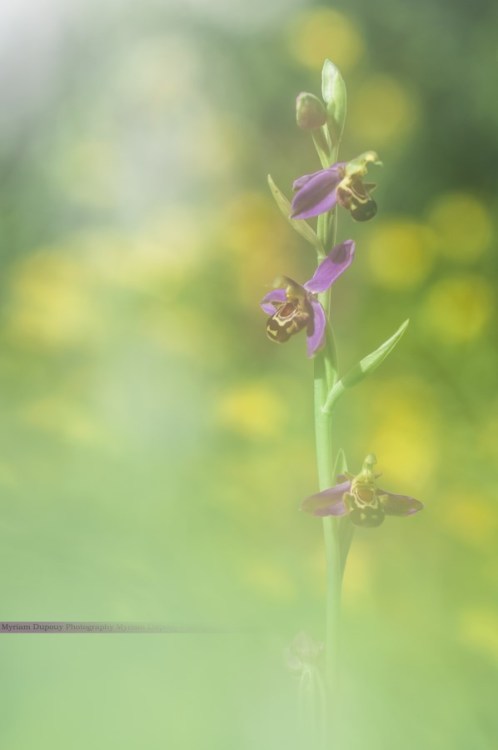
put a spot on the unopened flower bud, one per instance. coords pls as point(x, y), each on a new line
point(310, 112)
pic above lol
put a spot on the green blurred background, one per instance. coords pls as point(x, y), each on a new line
point(156, 446)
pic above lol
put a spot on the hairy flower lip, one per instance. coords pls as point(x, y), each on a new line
point(295, 306)
point(341, 183)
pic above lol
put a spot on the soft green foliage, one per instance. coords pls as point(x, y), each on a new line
point(364, 367)
point(156, 447)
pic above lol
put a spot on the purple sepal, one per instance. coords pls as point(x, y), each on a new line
point(398, 505)
point(329, 502)
point(336, 262)
point(315, 341)
point(316, 193)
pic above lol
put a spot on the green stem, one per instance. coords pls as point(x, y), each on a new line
point(326, 479)
point(324, 379)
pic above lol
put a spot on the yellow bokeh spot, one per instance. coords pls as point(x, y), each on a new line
point(51, 301)
point(219, 150)
point(254, 227)
point(381, 112)
point(324, 33)
point(479, 629)
point(488, 433)
point(64, 418)
point(405, 438)
point(457, 309)
point(470, 518)
point(167, 249)
point(253, 410)
point(259, 243)
point(270, 580)
point(357, 576)
point(400, 253)
point(463, 226)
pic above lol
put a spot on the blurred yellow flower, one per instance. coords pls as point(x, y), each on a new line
point(358, 575)
point(405, 436)
point(463, 226)
point(400, 253)
point(218, 152)
point(479, 629)
point(258, 243)
point(165, 249)
point(382, 112)
point(488, 433)
point(325, 33)
point(469, 516)
point(51, 301)
point(67, 419)
point(457, 309)
point(253, 410)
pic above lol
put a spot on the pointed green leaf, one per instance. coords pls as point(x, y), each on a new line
point(367, 365)
point(335, 97)
point(372, 361)
point(301, 226)
point(323, 146)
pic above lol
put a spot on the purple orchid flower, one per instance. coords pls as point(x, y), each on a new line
point(342, 184)
point(293, 307)
point(360, 499)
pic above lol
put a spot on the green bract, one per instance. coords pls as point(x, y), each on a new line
point(335, 98)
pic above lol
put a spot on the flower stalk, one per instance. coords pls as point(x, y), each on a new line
point(325, 377)
point(344, 500)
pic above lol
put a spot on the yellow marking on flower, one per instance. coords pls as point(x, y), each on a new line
point(479, 629)
point(400, 253)
point(463, 226)
point(325, 33)
point(382, 111)
point(458, 309)
point(253, 410)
